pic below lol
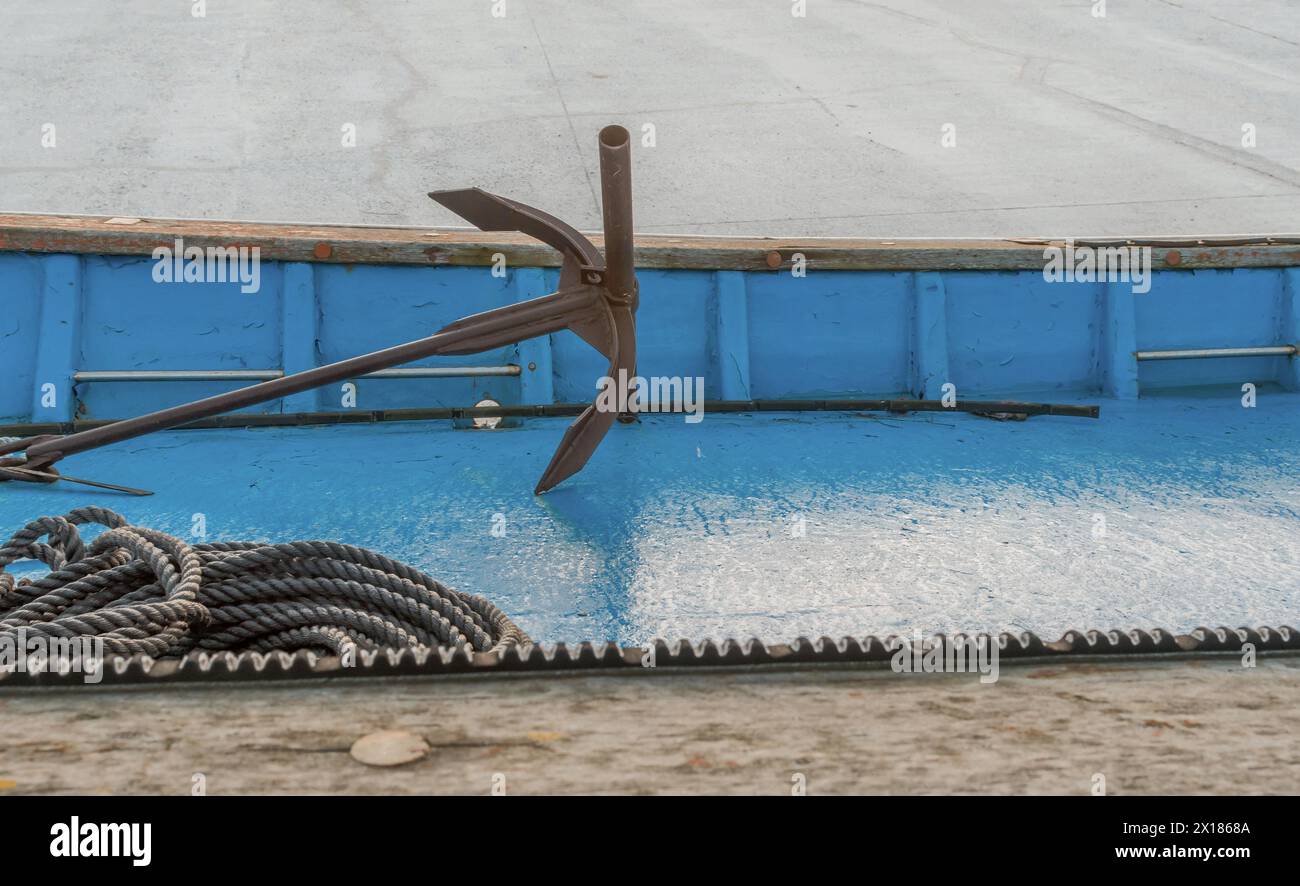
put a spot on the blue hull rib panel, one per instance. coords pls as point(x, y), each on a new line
point(748, 334)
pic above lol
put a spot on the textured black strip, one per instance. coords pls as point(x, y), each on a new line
point(257, 667)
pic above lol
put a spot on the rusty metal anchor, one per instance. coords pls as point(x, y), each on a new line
point(597, 299)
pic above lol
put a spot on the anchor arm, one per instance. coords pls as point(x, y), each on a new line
point(612, 330)
point(489, 212)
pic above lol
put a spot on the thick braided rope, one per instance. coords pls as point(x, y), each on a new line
point(145, 592)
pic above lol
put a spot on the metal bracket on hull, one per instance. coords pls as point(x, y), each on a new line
point(597, 299)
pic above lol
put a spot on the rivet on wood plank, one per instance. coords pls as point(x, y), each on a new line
point(1173, 257)
point(774, 259)
point(323, 251)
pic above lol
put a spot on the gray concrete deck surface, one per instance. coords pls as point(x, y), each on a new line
point(1066, 124)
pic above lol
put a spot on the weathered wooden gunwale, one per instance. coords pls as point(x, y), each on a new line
point(341, 244)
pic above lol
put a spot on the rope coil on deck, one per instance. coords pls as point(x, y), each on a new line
point(142, 591)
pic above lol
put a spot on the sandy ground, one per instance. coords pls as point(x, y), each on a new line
point(1162, 116)
point(1130, 727)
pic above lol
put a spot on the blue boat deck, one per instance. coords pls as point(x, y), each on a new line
point(1169, 511)
point(1177, 508)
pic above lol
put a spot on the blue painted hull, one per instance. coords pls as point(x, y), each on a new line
point(1177, 508)
point(749, 335)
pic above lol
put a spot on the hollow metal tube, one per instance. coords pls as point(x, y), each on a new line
point(115, 375)
point(616, 204)
point(131, 375)
point(445, 372)
point(1209, 353)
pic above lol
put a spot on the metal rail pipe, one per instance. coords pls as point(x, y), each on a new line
point(444, 372)
point(1208, 353)
point(176, 375)
point(116, 375)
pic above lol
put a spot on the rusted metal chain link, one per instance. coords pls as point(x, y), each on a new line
point(145, 592)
